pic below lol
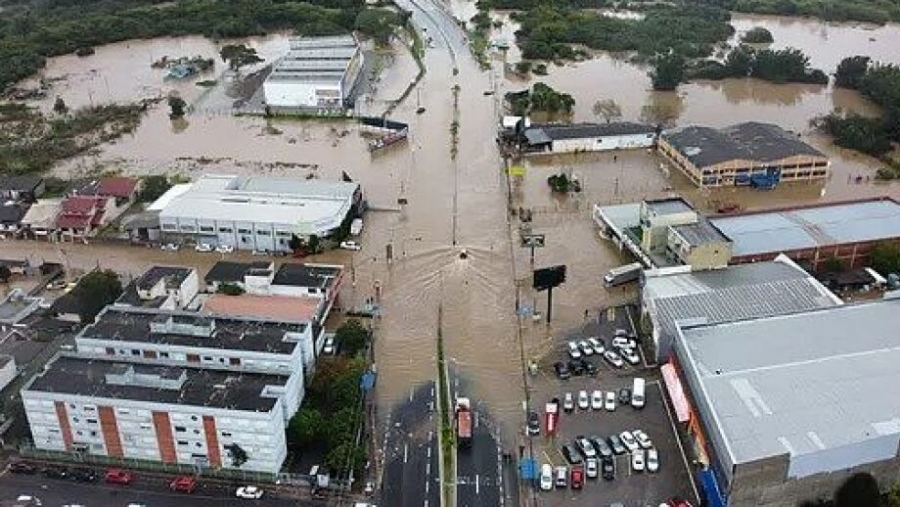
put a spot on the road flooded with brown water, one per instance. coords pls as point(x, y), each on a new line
point(457, 204)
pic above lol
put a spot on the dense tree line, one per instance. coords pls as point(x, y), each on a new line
point(31, 32)
point(873, 11)
point(541, 98)
point(780, 66)
point(879, 83)
point(757, 35)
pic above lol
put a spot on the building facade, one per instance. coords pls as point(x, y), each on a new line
point(587, 137)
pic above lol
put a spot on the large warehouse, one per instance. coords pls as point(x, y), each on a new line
point(812, 235)
point(783, 409)
point(317, 72)
point(256, 213)
point(584, 137)
point(756, 154)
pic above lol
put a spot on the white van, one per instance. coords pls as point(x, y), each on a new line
point(638, 393)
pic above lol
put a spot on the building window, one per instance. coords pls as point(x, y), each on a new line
point(263, 233)
point(283, 234)
point(135, 352)
point(180, 429)
point(207, 358)
point(169, 227)
point(226, 434)
point(110, 351)
point(193, 358)
point(234, 361)
point(91, 421)
point(206, 228)
point(244, 231)
point(163, 354)
point(188, 228)
point(182, 442)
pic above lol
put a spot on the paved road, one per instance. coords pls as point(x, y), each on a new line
point(411, 470)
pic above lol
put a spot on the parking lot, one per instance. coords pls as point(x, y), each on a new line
point(629, 487)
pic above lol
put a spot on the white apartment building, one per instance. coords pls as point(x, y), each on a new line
point(172, 414)
point(164, 287)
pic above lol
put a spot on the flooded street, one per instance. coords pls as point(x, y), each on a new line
point(462, 203)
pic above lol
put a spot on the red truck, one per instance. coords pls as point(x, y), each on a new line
point(464, 421)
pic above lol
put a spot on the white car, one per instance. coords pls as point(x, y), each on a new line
point(350, 245)
point(591, 468)
point(621, 342)
point(546, 477)
point(584, 402)
point(170, 247)
point(568, 402)
point(637, 460)
point(586, 447)
point(613, 359)
point(597, 345)
point(628, 441)
point(642, 439)
point(224, 248)
point(586, 348)
point(597, 400)
point(610, 404)
point(621, 332)
point(574, 351)
point(329, 347)
point(652, 460)
point(631, 356)
point(249, 492)
point(203, 247)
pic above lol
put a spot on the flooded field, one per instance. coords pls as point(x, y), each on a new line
point(462, 203)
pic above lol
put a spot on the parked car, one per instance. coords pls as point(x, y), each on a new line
point(628, 441)
point(616, 444)
point(589, 367)
point(630, 355)
point(562, 477)
point(597, 344)
point(85, 475)
point(624, 396)
point(613, 359)
point(329, 347)
point(652, 460)
point(584, 402)
point(260, 253)
point(562, 371)
point(546, 477)
point(203, 247)
point(534, 423)
point(608, 466)
point(20, 467)
point(586, 348)
point(620, 332)
point(183, 484)
point(577, 477)
point(224, 249)
point(119, 476)
point(571, 455)
point(574, 351)
point(591, 468)
point(597, 400)
point(601, 446)
point(610, 404)
point(637, 460)
point(249, 492)
point(576, 368)
point(568, 402)
point(350, 245)
point(678, 502)
point(642, 439)
point(586, 447)
point(171, 247)
point(620, 342)
point(53, 472)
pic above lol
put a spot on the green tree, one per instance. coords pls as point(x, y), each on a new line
point(352, 336)
point(59, 106)
point(94, 291)
point(523, 67)
point(607, 109)
point(378, 24)
point(237, 454)
point(295, 243)
point(893, 496)
point(306, 427)
point(859, 490)
point(153, 187)
point(313, 244)
point(855, 132)
point(834, 265)
point(230, 289)
point(739, 62)
point(885, 258)
point(851, 71)
point(239, 55)
point(668, 71)
point(5, 274)
point(757, 35)
point(176, 107)
point(345, 457)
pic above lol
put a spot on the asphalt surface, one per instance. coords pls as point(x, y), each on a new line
point(478, 466)
point(411, 469)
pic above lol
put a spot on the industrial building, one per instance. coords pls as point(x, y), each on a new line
point(672, 296)
point(754, 154)
point(256, 213)
point(812, 235)
point(584, 137)
point(784, 409)
point(317, 73)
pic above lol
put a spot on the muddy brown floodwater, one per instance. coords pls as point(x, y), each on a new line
point(462, 203)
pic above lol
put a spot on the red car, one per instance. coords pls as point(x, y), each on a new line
point(577, 477)
point(679, 502)
point(183, 484)
point(118, 476)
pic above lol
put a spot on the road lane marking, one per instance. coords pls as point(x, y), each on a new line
point(429, 452)
point(428, 468)
point(405, 453)
point(477, 485)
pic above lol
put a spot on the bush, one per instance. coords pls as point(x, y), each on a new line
point(851, 71)
point(867, 135)
point(230, 289)
point(153, 187)
point(668, 72)
point(757, 35)
point(352, 337)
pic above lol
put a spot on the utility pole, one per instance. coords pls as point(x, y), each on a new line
point(549, 304)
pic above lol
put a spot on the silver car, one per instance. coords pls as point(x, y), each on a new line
point(598, 346)
point(613, 359)
point(628, 441)
point(652, 460)
point(586, 348)
point(630, 355)
point(574, 351)
point(642, 439)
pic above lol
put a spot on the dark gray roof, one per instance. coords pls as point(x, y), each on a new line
point(668, 206)
point(306, 275)
point(701, 233)
point(130, 297)
point(202, 387)
point(225, 271)
point(20, 183)
point(536, 136)
point(174, 276)
point(762, 142)
point(583, 130)
point(133, 325)
point(12, 213)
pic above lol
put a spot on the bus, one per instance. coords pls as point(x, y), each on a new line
point(623, 274)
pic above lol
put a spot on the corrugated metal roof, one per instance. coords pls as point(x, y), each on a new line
point(782, 230)
point(801, 383)
point(701, 233)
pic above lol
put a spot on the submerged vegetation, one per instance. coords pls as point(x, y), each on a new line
point(788, 65)
point(541, 98)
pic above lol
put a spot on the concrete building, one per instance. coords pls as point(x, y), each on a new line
point(16, 307)
point(163, 287)
point(8, 370)
point(40, 220)
point(22, 188)
point(785, 408)
point(757, 154)
point(317, 73)
point(11, 215)
point(256, 213)
point(670, 296)
point(584, 137)
point(170, 414)
point(812, 235)
point(236, 273)
point(81, 216)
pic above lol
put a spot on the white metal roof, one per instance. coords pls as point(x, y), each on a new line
point(167, 197)
point(802, 384)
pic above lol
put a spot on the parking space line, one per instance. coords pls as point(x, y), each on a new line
point(687, 466)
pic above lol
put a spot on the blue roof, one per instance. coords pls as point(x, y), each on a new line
point(791, 229)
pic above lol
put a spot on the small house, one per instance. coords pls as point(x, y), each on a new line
point(24, 188)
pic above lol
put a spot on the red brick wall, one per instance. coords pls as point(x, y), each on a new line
point(64, 425)
point(212, 441)
point(164, 439)
point(110, 429)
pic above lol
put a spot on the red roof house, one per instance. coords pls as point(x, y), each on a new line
point(119, 187)
point(81, 214)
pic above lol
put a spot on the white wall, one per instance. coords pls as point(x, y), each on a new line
point(296, 94)
point(604, 143)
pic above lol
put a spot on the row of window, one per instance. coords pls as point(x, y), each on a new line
point(224, 230)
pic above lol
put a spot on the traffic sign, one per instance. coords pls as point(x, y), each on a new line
point(533, 240)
